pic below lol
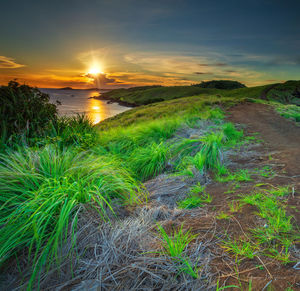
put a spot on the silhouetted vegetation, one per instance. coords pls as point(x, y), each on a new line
point(221, 84)
point(24, 111)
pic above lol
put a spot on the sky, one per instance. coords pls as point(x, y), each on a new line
point(123, 43)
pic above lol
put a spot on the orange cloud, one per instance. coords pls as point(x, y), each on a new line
point(9, 63)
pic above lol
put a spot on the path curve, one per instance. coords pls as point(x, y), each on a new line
point(279, 134)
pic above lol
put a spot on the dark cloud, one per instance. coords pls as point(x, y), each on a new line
point(220, 65)
point(214, 65)
point(297, 60)
point(199, 73)
point(102, 79)
point(282, 60)
point(230, 71)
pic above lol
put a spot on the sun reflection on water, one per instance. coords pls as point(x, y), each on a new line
point(97, 111)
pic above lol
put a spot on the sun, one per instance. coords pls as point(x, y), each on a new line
point(95, 70)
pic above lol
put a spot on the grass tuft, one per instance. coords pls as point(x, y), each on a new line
point(41, 190)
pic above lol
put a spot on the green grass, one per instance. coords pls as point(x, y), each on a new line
point(195, 201)
point(196, 198)
point(149, 161)
point(231, 134)
point(289, 111)
point(75, 131)
point(175, 244)
point(146, 95)
point(240, 248)
point(266, 172)
point(224, 175)
point(209, 151)
point(276, 236)
point(285, 93)
point(209, 155)
point(41, 191)
point(223, 215)
point(204, 107)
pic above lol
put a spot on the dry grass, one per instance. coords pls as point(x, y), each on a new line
point(123, 253)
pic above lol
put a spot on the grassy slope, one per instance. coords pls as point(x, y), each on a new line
point(142, 96)
point(184, 98)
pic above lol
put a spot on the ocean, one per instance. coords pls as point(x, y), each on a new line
point(77, 102)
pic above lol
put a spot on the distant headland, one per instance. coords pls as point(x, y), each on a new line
point(88, 89)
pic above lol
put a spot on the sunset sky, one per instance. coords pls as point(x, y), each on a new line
point(121, 43)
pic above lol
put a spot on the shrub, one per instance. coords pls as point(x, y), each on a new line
point(72, 131)
point(221, 84)
point(24, 111)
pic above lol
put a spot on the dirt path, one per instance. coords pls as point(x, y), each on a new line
point(266, 91)
point(278, 133)
point(280, 149)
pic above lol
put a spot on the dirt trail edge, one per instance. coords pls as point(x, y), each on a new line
point(278, 133)
point(280, 147)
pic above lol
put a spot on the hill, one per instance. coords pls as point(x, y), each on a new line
point(287, 92)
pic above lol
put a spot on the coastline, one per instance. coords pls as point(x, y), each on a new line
point(110, 101)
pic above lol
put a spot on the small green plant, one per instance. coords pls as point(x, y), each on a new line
point(198, 188)
point(225, 287)
point(221, 170)
point(235, 206)
point(288, 111)
point(188, 268)
point(231, 134)
point(177, 242)
point(233, 187)
point(243, 248)
point(282, 256)
point(280, 191)
point(242, 175)
point(266, 172)
point(196, 198)
point(223, 215)
point(195, 201)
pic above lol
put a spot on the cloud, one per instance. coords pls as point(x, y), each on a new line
point(165, 63)
point(202, 73)
point(141, 79)
point(213, 65)
point(101, 80)
point(9, 63)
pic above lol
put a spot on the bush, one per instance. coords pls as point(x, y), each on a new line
point(24, 111)
point(221, 84)
point(71, 131)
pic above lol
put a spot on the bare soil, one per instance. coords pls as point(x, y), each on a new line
point(280, 149)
